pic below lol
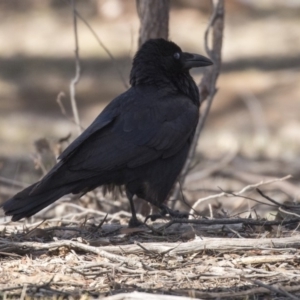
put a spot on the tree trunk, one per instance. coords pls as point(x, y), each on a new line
point(154, 18)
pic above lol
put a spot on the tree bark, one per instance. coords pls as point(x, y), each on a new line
point(154, 19)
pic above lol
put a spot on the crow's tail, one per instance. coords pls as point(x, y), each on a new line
point(24, 204)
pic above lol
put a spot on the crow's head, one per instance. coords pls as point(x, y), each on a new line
point(158, 59)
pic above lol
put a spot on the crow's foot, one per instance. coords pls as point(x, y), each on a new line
point(165, 210)
point(134, 222)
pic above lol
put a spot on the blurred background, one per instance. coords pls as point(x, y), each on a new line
point(252, 132)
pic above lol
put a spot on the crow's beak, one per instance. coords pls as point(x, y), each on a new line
point(191, 60)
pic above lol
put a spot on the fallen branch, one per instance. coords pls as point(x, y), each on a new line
point(138, 296)
point(264, 259)
point(275, 289)
point(24, 247)
point(242, 294)
point(249, 222)
point(197, 245)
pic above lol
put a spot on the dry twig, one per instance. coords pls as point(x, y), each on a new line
point(117, 68)
point(242, 191)
point(75, 80)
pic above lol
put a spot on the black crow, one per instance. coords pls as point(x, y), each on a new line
point(139, 141)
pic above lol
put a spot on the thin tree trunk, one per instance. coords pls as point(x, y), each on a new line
point(154, 19)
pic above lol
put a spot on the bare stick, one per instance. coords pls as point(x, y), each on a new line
point(243, 190)
point(207, 87)
point(138, 295)
point(73, 245)
point(173, 249)
point(251, 222)
point(241, 294)
point(77, 72)
point(262, 259)
point(13, 182)
point(275, 289)
point(104, 48)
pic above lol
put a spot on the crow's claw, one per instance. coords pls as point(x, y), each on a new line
point(154, 217)
point(134, 222)
point(165, 210)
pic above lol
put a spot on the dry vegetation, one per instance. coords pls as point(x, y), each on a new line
point(242, 240)
point(79, 252)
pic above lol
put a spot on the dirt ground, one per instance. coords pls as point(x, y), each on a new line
point(251, 138)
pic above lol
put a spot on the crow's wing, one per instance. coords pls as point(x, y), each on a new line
point(134, 129)
point(105, 118)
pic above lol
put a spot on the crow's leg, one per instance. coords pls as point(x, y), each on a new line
point(134, 222)
point(165, 210)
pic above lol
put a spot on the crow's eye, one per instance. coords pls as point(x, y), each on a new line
point(176, 55)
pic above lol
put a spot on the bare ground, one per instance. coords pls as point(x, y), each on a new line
point(81, 252)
